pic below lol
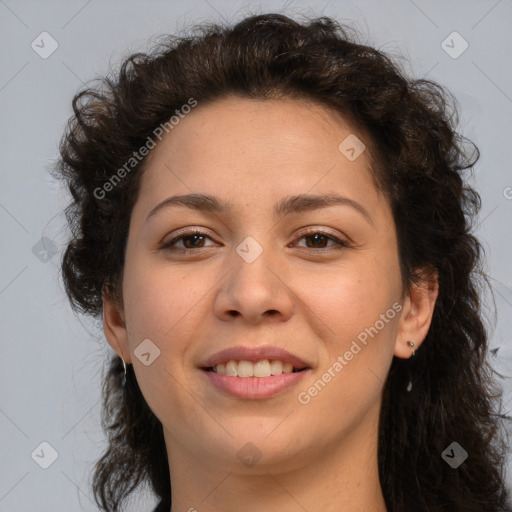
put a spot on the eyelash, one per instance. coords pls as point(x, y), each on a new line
point(341, 244)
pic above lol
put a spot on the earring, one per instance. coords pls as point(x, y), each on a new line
point(124, 376)
point(411, 344)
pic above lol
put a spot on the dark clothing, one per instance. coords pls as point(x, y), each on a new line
point(162, 507)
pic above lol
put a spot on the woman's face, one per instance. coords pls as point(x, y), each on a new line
point(316, 279)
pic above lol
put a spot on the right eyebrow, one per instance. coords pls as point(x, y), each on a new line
point(201, 202)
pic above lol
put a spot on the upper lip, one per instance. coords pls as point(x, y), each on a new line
point(253, 354)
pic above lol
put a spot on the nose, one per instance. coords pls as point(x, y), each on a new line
point(254, 291)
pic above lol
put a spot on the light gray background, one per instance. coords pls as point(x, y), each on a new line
point(50, 365)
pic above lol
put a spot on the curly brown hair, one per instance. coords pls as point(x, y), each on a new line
point(418, 162)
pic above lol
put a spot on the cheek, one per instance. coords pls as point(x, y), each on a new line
point(159, 306)
point(350, 297)
point(353, 307)
point(158, 297)
point(359, 322)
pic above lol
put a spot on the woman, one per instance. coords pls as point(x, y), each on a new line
point(274, 225)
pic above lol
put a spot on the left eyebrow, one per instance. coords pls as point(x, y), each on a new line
point(286, 206)
point(307, 202)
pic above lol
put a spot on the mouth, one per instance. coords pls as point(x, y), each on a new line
point(262, 384)
point(260, 368)
point(254, 373)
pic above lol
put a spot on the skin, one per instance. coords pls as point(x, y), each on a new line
point(313, 302)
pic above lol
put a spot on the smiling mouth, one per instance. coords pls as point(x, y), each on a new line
point(261, 368)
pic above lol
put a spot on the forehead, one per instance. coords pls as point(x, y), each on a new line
point(242, 148)
point(235, 126)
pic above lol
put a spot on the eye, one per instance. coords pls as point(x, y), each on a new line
point(191, 241)
point(318, 240)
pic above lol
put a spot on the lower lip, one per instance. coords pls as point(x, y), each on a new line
point(254, 388)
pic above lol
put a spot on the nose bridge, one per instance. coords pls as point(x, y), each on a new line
point(253, 287)
point(251, 270)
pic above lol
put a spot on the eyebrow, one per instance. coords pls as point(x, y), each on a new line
point(286, 206)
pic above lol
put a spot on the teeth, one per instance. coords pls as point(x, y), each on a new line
point(232, 368)
point(264, 368)
point(245, 369)
point(276, 367)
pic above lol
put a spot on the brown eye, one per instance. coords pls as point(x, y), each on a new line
point(320, 239)
point(316, 239)
point(195, 240)
point(191, 241)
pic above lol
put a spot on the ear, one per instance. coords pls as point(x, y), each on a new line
point(417, 313)
point(114, 327)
